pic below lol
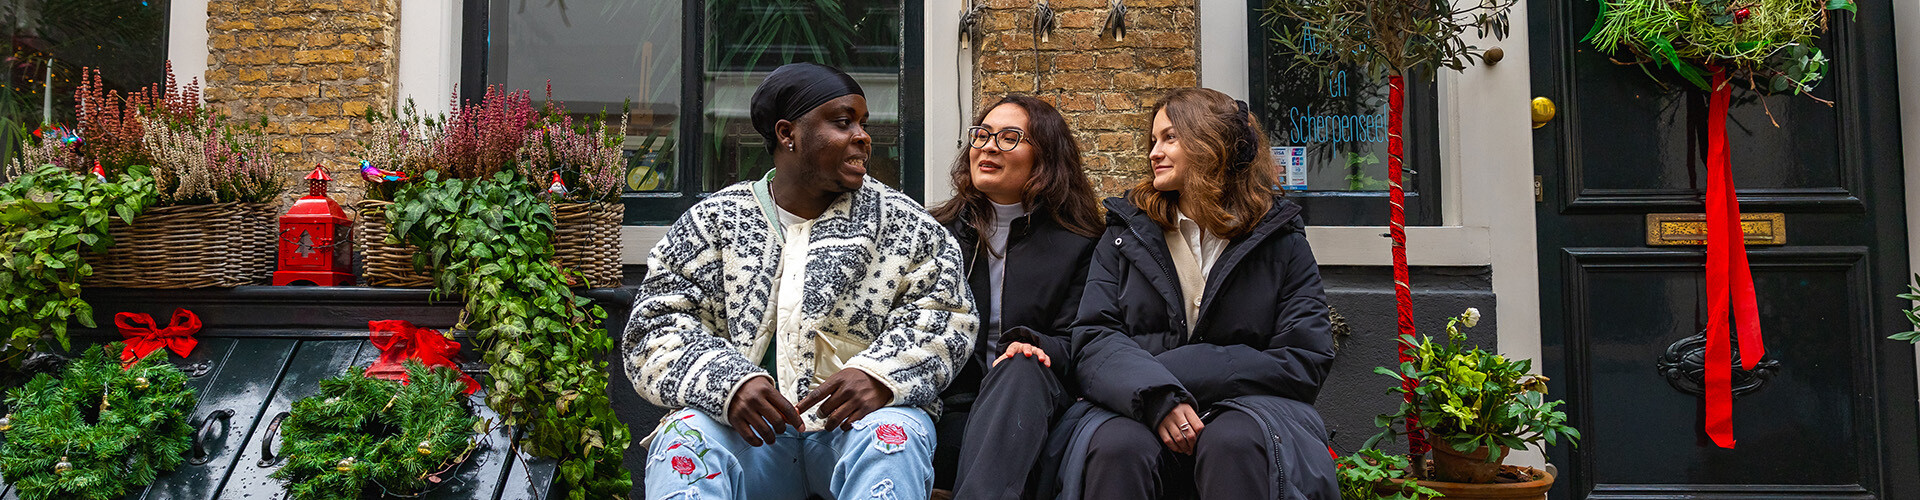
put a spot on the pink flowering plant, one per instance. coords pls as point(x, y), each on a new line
point(399, 143)
point(195, 155)
point(483, 138)
point(586, 155)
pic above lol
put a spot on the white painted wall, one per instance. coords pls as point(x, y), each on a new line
point(187, 40)
point(429, 54)
point(1907, 53)
point(1486, 166)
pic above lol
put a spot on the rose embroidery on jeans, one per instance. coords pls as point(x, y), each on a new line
point(683, 465)
point(891, 438)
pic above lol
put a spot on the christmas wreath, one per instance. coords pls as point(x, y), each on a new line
point(1768, 42)
point(98, 430)
point(365, 435)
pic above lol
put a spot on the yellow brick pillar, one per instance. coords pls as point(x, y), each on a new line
point(311, 69)
point(1104, 88)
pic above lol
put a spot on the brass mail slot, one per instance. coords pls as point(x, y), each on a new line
point(1691, 229)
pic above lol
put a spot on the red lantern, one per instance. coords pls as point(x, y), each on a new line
point(314, 239)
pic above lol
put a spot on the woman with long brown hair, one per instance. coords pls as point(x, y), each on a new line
point(1025, 217)
point(1202, 337)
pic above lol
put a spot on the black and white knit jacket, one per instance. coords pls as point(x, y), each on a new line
point(882, 277)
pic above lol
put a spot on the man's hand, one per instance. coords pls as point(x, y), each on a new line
point(1024, 349)
point(759, 412)
point(846, 397)
point(1181, 429)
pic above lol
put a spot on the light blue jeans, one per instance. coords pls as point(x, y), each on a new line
point(888, 455)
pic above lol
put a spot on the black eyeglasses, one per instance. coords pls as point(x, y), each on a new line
point(1004, 140)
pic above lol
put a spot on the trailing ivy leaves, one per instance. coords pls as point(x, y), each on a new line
point(1367, 474)
point(1913, 314)
point(491, 240)
point(47, 217)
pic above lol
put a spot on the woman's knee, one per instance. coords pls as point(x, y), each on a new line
point(1124, 442)
point(1233, 436)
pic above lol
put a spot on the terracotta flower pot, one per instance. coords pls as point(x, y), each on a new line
point(1454, 466)
point(1534, 489)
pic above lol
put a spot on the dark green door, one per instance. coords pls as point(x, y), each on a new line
point(1831, 413)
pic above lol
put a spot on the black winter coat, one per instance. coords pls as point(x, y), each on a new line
point(1040, 294)
point(1262, 342)
point(1262, 326)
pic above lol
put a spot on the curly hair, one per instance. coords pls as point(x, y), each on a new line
point(1230, 184)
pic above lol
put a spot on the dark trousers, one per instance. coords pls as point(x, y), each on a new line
point(1017, 405)
point(1126, 460)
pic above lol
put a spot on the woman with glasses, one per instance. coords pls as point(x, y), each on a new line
point(1024, 215)
point(1203, 336)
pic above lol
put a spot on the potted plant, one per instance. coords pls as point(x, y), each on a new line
point(577, 164)
point(1476, 406)
point(582, 165)
point(206, 172)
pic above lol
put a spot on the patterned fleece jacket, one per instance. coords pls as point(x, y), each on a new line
point(883, 286)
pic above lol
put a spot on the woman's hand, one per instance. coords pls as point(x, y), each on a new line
point(1024, 349)
point(1180, 429)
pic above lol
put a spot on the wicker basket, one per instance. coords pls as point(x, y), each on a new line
point(189, 246)
point(586, 239)
point(386, 264)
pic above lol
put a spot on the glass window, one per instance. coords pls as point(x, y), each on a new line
point(47, 42)
point(690, 67)
point(1329, 132)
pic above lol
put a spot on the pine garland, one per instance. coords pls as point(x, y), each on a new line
point(67, 439)
point(361, 436)
point(1766, 40)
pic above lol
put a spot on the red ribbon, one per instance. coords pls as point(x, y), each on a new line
point(1397, 218)
point(400, 341)
point(143, 336)
point(1729, 280)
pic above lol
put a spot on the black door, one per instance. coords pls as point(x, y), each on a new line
point(1831, 414)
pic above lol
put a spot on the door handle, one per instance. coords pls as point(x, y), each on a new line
point(1542, 111)
point(204, 435)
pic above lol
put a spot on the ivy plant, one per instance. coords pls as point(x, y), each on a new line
point(490, 239)
point(1368, 474)
point(47, 218)
point(1913, 314)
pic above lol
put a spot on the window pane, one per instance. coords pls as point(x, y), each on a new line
point(125, 39)
point(746, 39)
point(1336, 119)
point(600, 55)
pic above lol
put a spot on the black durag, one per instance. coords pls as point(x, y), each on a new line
point(795, 89)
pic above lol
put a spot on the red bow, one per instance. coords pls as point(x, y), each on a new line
point(143, 336)
point(400, 341)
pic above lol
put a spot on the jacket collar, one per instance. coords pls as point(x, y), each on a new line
point(1282, 218)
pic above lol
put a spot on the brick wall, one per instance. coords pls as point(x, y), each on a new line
point(1104, 88)
point(312, 68)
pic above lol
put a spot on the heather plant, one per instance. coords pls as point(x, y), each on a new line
point(399, 141)
point(206, 161)
point(587, 155)
point(199, 157)
point(483, 138)
point(108, 133)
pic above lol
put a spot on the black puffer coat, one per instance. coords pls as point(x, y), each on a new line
point(1262, 343)
point(1046, 271)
